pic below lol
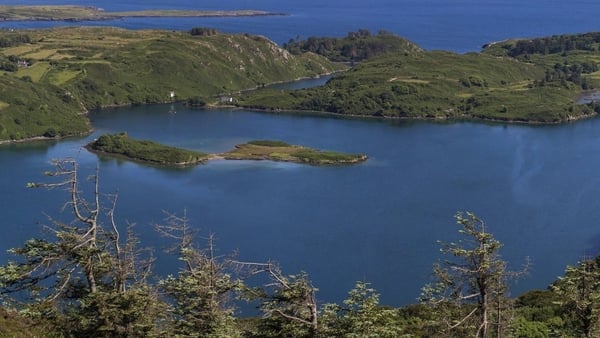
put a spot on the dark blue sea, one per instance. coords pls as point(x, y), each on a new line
point(457, 25)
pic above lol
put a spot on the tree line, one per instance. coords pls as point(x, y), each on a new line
point(354, 47)
point(90, 277)
point(555, 44)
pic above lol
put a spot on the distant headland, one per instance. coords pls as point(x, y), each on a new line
point(120, 145)
point(88, 13)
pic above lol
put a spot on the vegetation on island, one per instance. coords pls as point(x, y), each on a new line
point(155, 153)
point(281, 151)
point(537, 80)
point(90, 277)
point(88, 13)
point(354, 47)
point(50, 77)
point(145, 150)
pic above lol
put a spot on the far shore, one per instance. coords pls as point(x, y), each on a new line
point(70, 13)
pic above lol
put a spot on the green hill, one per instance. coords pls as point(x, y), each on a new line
point(437, 84)
point(91, 67)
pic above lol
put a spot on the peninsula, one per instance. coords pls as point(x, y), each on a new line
point(121, 145)
point(87, 13)
point(523, 81)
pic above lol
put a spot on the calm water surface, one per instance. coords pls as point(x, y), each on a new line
point(458, 25)
point(537, 187)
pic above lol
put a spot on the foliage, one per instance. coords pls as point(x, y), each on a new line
point(31, 109)
point(269, 143)
point(556, 44)
point(12, 324)
point(202, 291)
point(288, 304)
point(326, 157)
point(579, 291)
point(146, 151)
point(356, 46)
point(84, 277)
point(360, 316)
point(474, 282)
point(12, 38)
point(438, 85)
point(203, 31)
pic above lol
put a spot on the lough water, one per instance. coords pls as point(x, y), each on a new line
point(537, 187)
point(457, 25)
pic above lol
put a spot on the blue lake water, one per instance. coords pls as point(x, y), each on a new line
point(458, 25)
point(537, 187)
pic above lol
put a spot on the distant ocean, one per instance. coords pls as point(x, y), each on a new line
point(457, 25)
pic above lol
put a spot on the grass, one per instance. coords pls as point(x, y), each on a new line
point(36, 71)
point(95, 67)
point(145, 151)
point(436, 85)
point(281, 151)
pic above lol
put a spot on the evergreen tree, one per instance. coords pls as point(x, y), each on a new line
point(202, 291)
point(579, 290)
point(469, 291)
point(83, 276)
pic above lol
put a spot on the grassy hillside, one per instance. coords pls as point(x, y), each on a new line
point(437, 84)
point(29, 110)
point(90, 67)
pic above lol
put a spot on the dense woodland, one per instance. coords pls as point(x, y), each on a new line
point(86, 275)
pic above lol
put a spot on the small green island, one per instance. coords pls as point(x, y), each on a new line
point(121, 145)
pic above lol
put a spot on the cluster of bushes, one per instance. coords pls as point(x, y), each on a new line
point(13, 39)
point(562, 73)
point(147, 151)
point(269, 143)
point(556, 44)
point(203, 31)
point(356, 46)
point(324, 157)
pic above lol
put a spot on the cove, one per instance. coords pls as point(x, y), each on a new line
point(537, 188)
